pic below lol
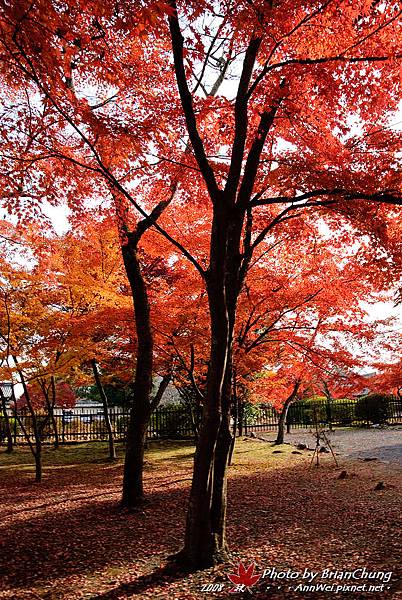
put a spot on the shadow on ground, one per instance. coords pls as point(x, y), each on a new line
point(289, 516)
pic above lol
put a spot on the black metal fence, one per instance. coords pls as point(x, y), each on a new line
point(176, 422)
point(80, 425)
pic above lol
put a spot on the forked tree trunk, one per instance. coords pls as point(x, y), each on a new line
point(280, 438)
point(205, 542)
point(105, 407)
point(205, 538)
point(8, 432)
point(143, 405)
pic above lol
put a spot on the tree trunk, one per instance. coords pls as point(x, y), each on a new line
point(221, 462)
point(52, 417)
point(281, 424)
point(50, 403)
point(133, 489)
point(7, 425)
point(240, 418)
point(38, 460)
point(193, 412)
point(36, 446)
point(328, 405)
point(205, 540)
point(235, 403)
point(56, 444)
point(133, 486)
point(282, 418)
point(112, 449)
point(224, 442)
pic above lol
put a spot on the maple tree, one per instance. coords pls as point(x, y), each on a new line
point(271, 72)
point(22, 318)
point(79, 277)
point(295, 147)
point(96, 133)
point(46, 328)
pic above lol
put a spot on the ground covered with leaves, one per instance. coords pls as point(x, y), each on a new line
point(67, 537)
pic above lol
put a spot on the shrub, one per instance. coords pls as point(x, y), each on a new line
point(251, 412)
point(373, 407)
point(340, 412)
point(13, 426)
point(312, 409)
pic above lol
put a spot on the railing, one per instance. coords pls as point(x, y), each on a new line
point(176, 422)
point(345, 413)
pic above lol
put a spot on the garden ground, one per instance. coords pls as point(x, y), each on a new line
point(384, 444)
point(67, 538)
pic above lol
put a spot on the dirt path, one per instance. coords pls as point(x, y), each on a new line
point(382, 444)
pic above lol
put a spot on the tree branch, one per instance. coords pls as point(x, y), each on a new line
point(187, 104)
point(240, 114)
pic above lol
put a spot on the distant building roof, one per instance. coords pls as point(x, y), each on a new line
point(84, 403)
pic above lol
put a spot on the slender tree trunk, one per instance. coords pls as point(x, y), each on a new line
point(7, 425)
point(280, 438)
point(38, 459)
point(133, 489)
point(192, 413)
point(112, 449)
point(52, 416)
point(36, 446)
point(50, 403)
point(235, 403)
point(56, 444)
point(281, 424)
point(240, 417)
point(328, 407)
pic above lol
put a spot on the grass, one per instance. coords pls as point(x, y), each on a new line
point(68, 539)
point(87, 453)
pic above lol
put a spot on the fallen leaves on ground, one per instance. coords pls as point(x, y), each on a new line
point(68, 539)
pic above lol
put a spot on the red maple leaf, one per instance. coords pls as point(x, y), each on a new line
point(244, 576)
